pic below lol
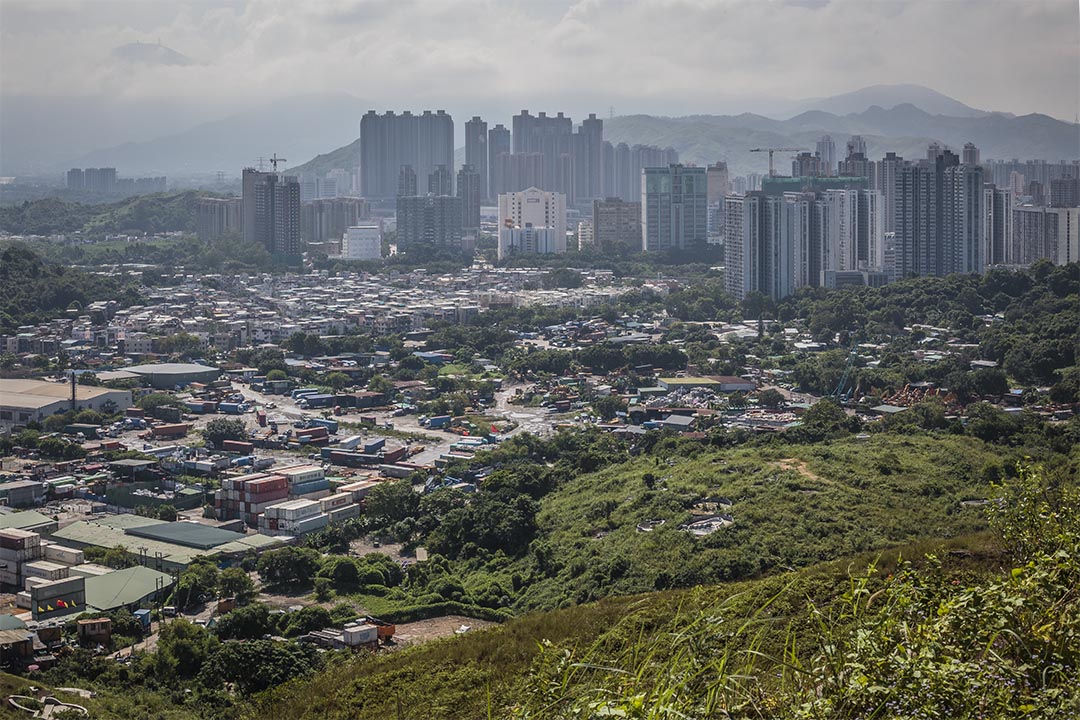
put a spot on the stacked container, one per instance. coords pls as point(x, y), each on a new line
point(245, 497)
point(17, 547)
point(294, 517)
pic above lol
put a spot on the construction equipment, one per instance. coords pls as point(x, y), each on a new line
point(842, 392)
point(275, 160)
point(776, 150)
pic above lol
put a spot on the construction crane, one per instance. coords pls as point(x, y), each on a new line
point(771, 151)
point(275, 160)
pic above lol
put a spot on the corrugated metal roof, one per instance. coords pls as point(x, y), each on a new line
point(25, 519)
point(124, 587)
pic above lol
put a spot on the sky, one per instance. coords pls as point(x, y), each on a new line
point(650, 56)
point(67, 95)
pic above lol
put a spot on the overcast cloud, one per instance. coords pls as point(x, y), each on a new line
point(657, 56)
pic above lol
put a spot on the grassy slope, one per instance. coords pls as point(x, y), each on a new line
point(484, 674)
point(843, 497)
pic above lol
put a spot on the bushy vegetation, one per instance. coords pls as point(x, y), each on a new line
point(135, 215)
point(33, 290)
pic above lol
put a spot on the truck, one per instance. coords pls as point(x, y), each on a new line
point(260, 417)
point(232, 408)
point(439, 421)
point(299, 392)
point(316, 400)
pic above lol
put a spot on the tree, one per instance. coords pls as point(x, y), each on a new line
point(234, 582)
point(260, 665)
point(118, 557)
point(391, 502)
point(288, 566)
point(246, 623)
point(153, 401)
point(381, 384)
point(276, 374)
point(337, 380)
point(199, 580)
point(771, 398)
point(607, 407)
point(182, 648)
point(221, 429)
point(824, 419)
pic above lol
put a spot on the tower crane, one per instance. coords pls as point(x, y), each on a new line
point(774, 150)
point(275, 160)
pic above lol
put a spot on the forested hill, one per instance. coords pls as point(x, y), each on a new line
point(136, 215)
point(33, 290)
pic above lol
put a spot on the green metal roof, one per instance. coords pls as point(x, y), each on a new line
point(124, 587)
point(24, 519)
point(186, 533)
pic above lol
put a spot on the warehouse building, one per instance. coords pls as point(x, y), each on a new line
point(166, 376)
point(23, 401)
point(165, 546)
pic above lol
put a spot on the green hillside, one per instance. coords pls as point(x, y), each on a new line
point(346, 158)
point(144, 214)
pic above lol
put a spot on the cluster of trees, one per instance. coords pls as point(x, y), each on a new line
point(34, 290)
point(48, 446)
point(202, 580)
point(145, 214)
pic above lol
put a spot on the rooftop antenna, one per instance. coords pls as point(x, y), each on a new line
point(275, 160)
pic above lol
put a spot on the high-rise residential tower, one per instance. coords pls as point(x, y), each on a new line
point(674, 208)
point(476, 150)
point(389, 141)
point(826, 151)
point(498, 144)
point(468, 189)
point(277, 214)
point(440, 181)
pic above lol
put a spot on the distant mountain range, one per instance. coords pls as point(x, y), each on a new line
point(45, 136)
point(889, 96)
point(296, 129)
point(904, 129)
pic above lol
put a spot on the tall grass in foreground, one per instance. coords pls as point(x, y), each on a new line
point(924, 644)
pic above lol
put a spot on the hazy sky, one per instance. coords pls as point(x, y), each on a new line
point(658, 56)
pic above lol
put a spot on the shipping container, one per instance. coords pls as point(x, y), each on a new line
point(439, 421)
point(396, 471)
point(392, 456)
point(237, 446)
point(330, 425)
point(231, 408)
point(260, 417)
point(344, 513)
point(335, 501)
point(316, 401)
point(361, 635)
point(351, 442)
point(176, 430)
point(299, 392)
point(64, 555)
point(374, 445)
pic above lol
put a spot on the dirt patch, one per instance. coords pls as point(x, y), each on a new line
point(366, 545)
point(799, 466)
point(435, 628)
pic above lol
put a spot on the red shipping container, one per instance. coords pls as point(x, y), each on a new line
point(394, 455)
